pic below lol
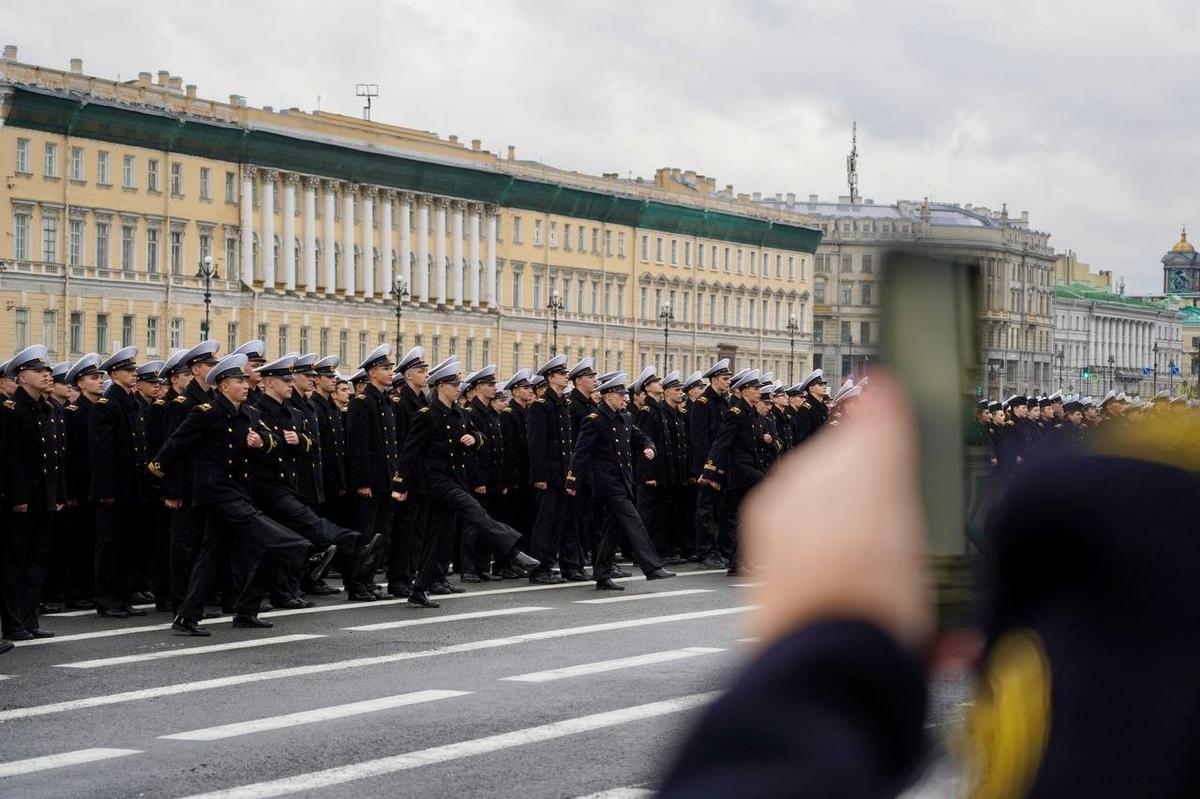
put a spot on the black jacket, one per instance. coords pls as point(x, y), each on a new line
point(333, 446)
point(434, 449)
point(513, 422)
point(738, 459)
point(178, 482)
point(674, 446)
point(78, 461)
point(648, 419)
point(32, 453)
point(550, 440)
point(283, 466)
point(309, 470)
point(372, 452)
point(704, 420)
point(117, 446)
point(604, 454)
point(808, 419)
point(488, 467)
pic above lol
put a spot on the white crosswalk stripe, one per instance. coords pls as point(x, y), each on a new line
point(341, 775)
point(601, 666)
point(186, 652)
point(479, 614)
point(298, 671)
point(631, 792)
point(79, 757)
point(317, 715)
point(635, 597)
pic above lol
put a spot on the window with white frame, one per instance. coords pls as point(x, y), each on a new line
point(103, 233)
point(516, 230)
point(152, 175)
point(674, 252)
point(23, 157)
point(231, 188)
point(21, 235)
point(21, 328)
point(102, 332)
point(553, 234)
point(103, 172)
point(49, 238)
point(176, 333)
point(581, 240)
point(151, 335)
point(50, 164)
point(75, 332)
point(620, 244)
point(129, 172)
point(126, 330)
point(75, 242)
point(128, 237)
point(645, 247)
point(176, 179)
point(176, 252)
point(76, 168)
point(608, 250)
point(152, 251)
point(658, 249)
point(205, 183)
point(50, 330)
point(566, 235)
point(537, 233)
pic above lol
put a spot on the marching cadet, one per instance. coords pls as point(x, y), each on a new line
point(54, 590)
point(520, 503)
point(332, 440)
point(646, 417)
point(255, 351)
point(763, 406)
point(583, 384)
point(34, 491)
point(810, 407)
point(539, 384)
point(220, 436)
point(8, 386)
point(781, 412)
point(437, 448)
point(605, 451)
point(486, 470)
point(693, 387)
point(671, 534)
point(358, 383)
point(372, 465)
point(550, 442)
point(737, 460)
point(80, 520)
point(309, 473)
point(152, 547)
point(714, 527)
point(121, 489)
point(409, 382)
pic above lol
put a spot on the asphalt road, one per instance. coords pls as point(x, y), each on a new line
point(509, 690)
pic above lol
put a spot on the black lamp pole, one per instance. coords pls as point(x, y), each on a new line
point(399, 295)
point(206, 273)
point(1111, 370)
point(1154, 390)
point(667, 315)
point(555, 306)
point(792, 327)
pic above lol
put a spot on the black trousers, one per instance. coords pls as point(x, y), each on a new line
point(449, 507)
point(370, 515)
point(293, 513)
point(553, 538)
point(476, 556)
point(26, 552)
point(187, 538)
point(733, 502)
point(120, 555)
point(621, 518)
point(583, 519)
point(716, 518)
point(401, 563)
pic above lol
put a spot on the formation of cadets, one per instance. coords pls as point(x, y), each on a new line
point(206, 485)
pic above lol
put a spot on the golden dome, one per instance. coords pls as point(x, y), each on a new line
point(1183, 245)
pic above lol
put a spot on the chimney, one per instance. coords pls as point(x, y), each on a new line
point(163, 77)
point(778, 196)
point(190, 90)
point(791, 197)
point(270, 109)
point(453, 138)
point(176, 83)
point(77, 66)
point(1024, 217)
point(758, 196)
point(237, 100)
point(813, 198)
point(743, 197)
point(512, 153)
point(476, 145)
point(10, 52)
point(144, 78)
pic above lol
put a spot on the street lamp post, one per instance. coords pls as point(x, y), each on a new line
point(1060, 354)
point(207, 273)
point(555, 305)
point(792, 327)
point(667, 315)
point(399, 295)
point(1111, 371)
point(1154, 349)
point(1171, 372)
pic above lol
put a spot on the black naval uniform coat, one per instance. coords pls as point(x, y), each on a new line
point(333, 447)
point(704, 421)
point(809, 418)
point(551, 439)
point(309, 470)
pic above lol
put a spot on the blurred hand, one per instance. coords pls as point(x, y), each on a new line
point(467, 440)
point(290, 437)
point(648, 453)
point(173, 504)
point(863, 557)
point(364, 492)
point(541, 486)
point(254, 440)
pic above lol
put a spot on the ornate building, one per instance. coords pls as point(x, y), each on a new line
point(1181, 268)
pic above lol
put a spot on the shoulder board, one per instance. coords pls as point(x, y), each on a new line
point(805, 404)
point(102, 400)
point(683, 410)
point(735, 411)
point(593, 416)
point(394, 399)
point(180, 398)
point(71, 407)
point(205, 407)
point(506, 410)
point(540, 400)
point(703, 400)
point(160, 402)
point(423, 410)
point(834, 423)
point(10, 404)
point(359, 396)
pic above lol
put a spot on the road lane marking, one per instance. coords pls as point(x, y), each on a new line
point(62, 759)
point(601, 666)
point(68, 614)
point(315, 716)
point(479, 614)
point(354, 663)
point(340, 606)
point(745, 585)
point(186, 651)
point(652, 595)
point(631, 792)
point(383, 766)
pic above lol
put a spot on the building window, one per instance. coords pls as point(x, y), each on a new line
point(566, 235)
point(620, 244)
point(516, 291)
point(866, 293)
point(847, 263)
point(579, 304)
point(754, 263)
point(176, 332)
point(128, 174)
point(792, 268)
point(304, 338)
point(21, 236)
point(152, 251)
point(727, 263)
point(102, 245)
point(102, 333)
point(864, 332)
point(516, 230)
point(23, 156)
point(50, 239)
point(645, 247)
point(126, 330)
point(263, 333)
point(151, 335)
point(740, 263)
point(700, 256)
point(75, 332)
point(537, 292)
point(845, 291)
point(344, 345)
point(176, 252)
point(76, 168)
point(205, 245)
point(362, 345)
point(50, 166)
point(644, 304)
point(658, 249)
point(868, 267)
point(21, 329)
point(75, 242)
point(846, 337)
point(596, 241)
point(152, 175)
point(205, 180)
point(537, 232)
point(128, 232)
point(284, 331)
point(674, 252)
point(231, 336)
point(231, 256)
point(230, 187)
point(620, 301)
point(819, 292)
point(103, 176)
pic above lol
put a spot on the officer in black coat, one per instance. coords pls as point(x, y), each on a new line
point(408, 396)
point(255, 351)
point(80, 517)
point(671, 534)
point(152, 547)
point(605, 453)
point(34, 491)
point(647, 418)
point(519, 501)
point(582, 512)
point(551, 439)
point(332, 441)
point(811, 412)
point(372, 464)
point(309, 473)
point(713, 532)
point(486, 472)
point(121, 489)
point(221, 436)
point(438, 448)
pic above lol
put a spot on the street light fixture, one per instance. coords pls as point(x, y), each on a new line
point(1154, 349)
point(1111, 371)
point(1171, 367)
point(792, 327)
point(207, 273)
point(667, 315)
point(399, 295)
point(555, 305)
point(1059, 355)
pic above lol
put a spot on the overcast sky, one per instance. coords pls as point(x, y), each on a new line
point(1081, 113)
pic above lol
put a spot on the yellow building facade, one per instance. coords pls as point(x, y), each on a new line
point(116, 193)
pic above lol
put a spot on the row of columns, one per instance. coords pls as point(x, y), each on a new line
point(1130, 342)
point(435, 280)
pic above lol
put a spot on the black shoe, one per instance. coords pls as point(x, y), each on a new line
point(488, 577)
point(212, 613)
point(163, 607)
point(660, 574)
point(368, 556)
point(19, 635)
point(132, 611)
point(400, 591)
point(81, 604)
point(440, 589)
point(505, 574)
point(545, 578)
point(318, 562)
point(361, 595)
point(674, 561)
point(115, 613)
point(292, 604)
point(617, 571)
point(247, 620)
point(320, 588)
point(454, 589)
point(376, 591)
point(6, 646)
point(522, 561)
point(142, 598)
point(421, 599)
point(606, 584)
point(188, 627)
point(52, 607)
point(712, 563)
point(575, 576)
point(469, 577)
point(38, 632)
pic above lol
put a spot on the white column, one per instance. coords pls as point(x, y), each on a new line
point(348, 238)
point(310, 234)
point(439, 250)
point(421, 293)
point(248, 175)
point(489, 282)
point(289, 231)
point(456, 250)
point(329, 236)
point(385, 243)
point(367, 233)
point(473, 255)
point(266, 242)
point(404, 256)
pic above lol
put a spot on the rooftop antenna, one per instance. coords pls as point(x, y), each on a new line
point(852, 164)
point(367, 90)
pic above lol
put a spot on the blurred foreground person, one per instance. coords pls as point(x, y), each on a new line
point(1087, 683)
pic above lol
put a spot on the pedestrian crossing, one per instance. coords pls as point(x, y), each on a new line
point(480, 614)
point(187, 651)
point(62, 760)
point(637, 597)
point(602, 666)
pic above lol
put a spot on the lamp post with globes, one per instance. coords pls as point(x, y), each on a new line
point(667, 315)
point(399, 295)
point(207, 273)
point(792, 327)
point(555, 305)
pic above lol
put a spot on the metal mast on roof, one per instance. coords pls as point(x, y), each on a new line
point(367, 90)
point(852, 164)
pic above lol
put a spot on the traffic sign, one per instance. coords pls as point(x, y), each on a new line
point(1147, 371)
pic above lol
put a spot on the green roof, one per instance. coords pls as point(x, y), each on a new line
point(1082, 291)
point(75, 115)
